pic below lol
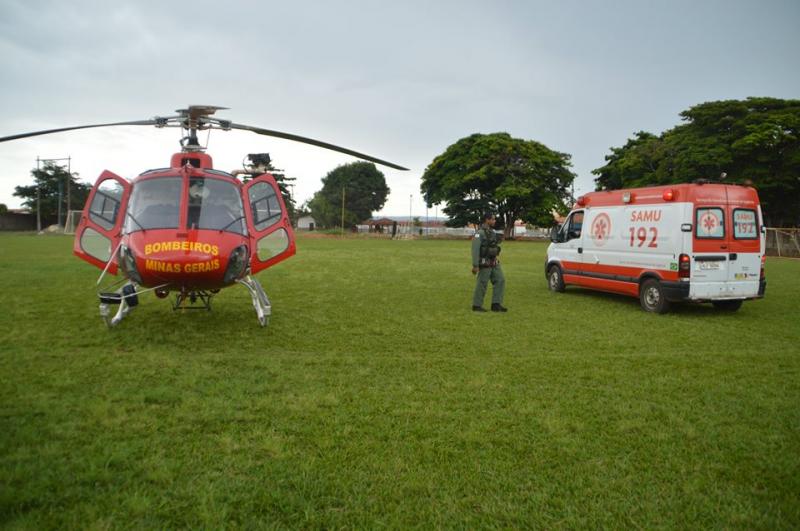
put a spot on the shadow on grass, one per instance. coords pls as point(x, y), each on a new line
point(682, 308)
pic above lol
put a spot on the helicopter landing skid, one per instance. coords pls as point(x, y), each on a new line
point(127, 300)
point(261, 302)
point(193, 297)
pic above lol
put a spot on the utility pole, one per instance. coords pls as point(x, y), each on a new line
point(60, 191)
point(343, 187)
point(410, 219)
point(69, 178)
point(38, 199)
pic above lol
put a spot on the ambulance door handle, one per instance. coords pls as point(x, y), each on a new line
point(580, 250)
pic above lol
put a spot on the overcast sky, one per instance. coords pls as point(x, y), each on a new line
point(397, 80)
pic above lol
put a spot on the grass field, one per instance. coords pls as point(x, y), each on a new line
point(376, 398)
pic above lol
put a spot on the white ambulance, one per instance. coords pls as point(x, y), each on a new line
point(687, 242)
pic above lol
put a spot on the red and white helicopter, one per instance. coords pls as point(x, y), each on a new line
point(187, 229)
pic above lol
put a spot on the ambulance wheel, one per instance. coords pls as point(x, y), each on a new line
point(555, 281)
point(652, 296)
point(727, 306)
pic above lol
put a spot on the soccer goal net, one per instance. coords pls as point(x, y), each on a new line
point(73, 218)
point(783, 242)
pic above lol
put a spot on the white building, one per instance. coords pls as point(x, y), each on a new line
point(306, 223)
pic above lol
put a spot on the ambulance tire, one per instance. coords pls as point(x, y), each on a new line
point(555, 280)
point(727, 306)
point(652, 296)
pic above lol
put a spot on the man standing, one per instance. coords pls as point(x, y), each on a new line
point(485, 264)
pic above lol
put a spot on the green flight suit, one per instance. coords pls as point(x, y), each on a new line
point(489, 267)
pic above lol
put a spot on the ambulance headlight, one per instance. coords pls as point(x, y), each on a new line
point(128, 263)
point(237, 263)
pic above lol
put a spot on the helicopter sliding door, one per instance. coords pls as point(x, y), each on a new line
point(271, 236)
point(100, 230)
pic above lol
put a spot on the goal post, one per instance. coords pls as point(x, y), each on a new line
point(783, 242)
point(73, 219)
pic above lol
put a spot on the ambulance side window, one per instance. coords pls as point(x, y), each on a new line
point(574, 226)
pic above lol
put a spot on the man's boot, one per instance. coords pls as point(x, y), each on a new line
point(496, 307)
point(478, 309)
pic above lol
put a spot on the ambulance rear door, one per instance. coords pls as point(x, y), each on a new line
point(745, 242)
point(710, 248)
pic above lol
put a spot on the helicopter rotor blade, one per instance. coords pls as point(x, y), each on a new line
point(318, 143)
point(61, 129)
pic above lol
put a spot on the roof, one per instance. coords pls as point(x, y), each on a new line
point(673, 193)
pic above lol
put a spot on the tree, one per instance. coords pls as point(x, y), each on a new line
point(635, 162)
point(324, 213)
point(48, 181)
point(515, 178)
point(3, 208)
point(360, 184)
point(756, 141)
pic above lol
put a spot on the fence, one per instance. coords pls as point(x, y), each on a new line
point(14, 221)
point(783, 242)
point(406, 230)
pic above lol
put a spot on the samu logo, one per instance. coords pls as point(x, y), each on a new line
point(601, 229)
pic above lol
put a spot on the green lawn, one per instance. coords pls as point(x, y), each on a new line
point(376, 398)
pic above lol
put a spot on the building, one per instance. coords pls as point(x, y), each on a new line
point(306, 223)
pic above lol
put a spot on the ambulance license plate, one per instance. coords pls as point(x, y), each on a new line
point(707, 266)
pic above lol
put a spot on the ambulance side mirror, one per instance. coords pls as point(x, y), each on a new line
point(554, 233)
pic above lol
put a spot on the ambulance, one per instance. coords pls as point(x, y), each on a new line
point(700, 242)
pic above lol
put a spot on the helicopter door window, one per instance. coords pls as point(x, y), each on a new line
point(96, 245)
point(273, 244)
point(215, 204)
point(154, 204)
point(105, 204)
point(265, 206)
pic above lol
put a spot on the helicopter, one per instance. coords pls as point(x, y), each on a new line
point(188, 229)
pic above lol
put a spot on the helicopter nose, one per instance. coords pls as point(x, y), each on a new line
point(205, 261)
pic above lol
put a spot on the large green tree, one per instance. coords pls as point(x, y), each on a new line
point(756, 141)
point(515, 178)
point(50, 183)
point(361, 185)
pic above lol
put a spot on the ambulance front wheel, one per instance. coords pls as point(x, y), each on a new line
point(555, 281)
point(652, 296)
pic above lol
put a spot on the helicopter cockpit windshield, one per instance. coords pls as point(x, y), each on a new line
point(215, 204)
point(154, 204)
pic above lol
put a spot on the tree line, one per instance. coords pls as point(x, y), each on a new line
point(751, 142)
point(755, 142)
